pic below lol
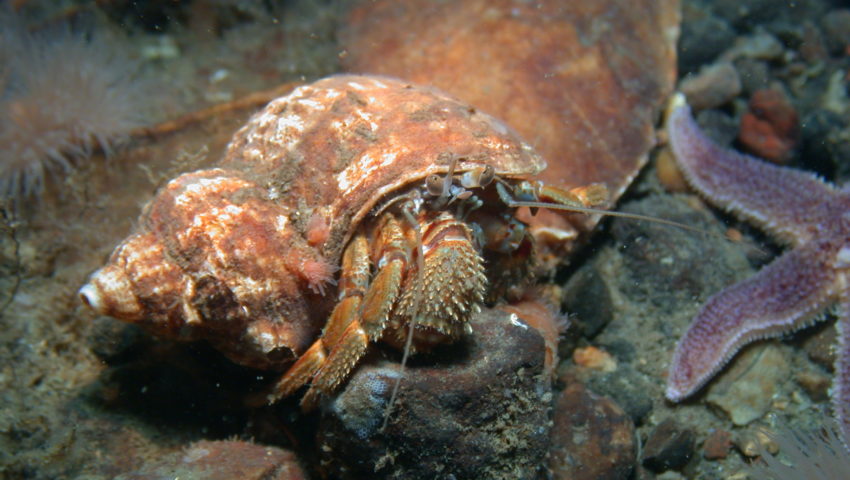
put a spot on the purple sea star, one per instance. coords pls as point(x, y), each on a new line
point(810, 216)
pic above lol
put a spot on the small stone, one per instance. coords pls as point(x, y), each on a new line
point(222, 460)
point(836, 26)
point(717, 445)
point(815, 384)
point(704, 37)
point(751, 443)
point(745, 391)
point(588, 301)
point(592, 437)
point(629, 388)
point(595, 358)
point(713, 86)
point(770, 128)
point(668, 172)
point(819, 346)
point(760, 45)
point(754, 75)
point(669, 447)
point(478, 409)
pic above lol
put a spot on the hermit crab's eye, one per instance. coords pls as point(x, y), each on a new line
point(434, 184)
point(487, 175)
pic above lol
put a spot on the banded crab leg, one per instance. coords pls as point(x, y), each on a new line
point(354, 280)
point(352, 325)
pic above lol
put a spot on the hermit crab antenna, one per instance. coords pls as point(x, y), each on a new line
point(417, 300)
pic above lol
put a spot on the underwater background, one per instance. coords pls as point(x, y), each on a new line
point(102, 103)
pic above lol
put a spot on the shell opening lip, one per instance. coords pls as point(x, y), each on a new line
point(90, 296)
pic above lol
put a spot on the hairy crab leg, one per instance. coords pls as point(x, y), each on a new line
point(354, 280)
point(372, 319)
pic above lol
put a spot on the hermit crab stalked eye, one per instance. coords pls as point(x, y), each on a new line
point(341, 215)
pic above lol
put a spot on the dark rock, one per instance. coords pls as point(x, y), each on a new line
point(836, 27)
point(629, 388)
point(116, 342)
point(825, 145)
point(820, 345)
point(476, 409)
point(754, 74)
point(719, 126)
point(222, 460)
point(703, 38)
point(670, 266)
point(669, 447)
point(592, 438)
point(588, 301)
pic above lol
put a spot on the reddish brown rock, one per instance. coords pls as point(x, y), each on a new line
point(592, 437)
point(581, 81)
point(223, 460)
point(770, 129)
point(717, 445)
point(476, 409)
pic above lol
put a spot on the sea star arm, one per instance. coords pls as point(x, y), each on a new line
point(784, 201)
point(841, 383)
point(784, 296)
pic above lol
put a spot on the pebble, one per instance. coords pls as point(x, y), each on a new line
point(713, 86)
point(704, 36)
point(816, 384)
point(717, 445)
point(820, 345)
point(668, 447)
point(760, 46)
point(222, 460)
point(592, 437)
point(836, 28)
point(479, 409)
point(770, 128)
point(745, 391)
point(629, 388)
point(588, 302)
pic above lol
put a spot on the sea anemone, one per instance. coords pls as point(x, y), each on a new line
point(805, 455)
point(63, 94)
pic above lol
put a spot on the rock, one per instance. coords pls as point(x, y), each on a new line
point(754, 74)
point(476, 409)
point(713, 86)
point(222, 460)
point(770, 128)
point(588, 301)
point(745, 391)
point(717, 445)
point(629, 388)
point(592, 437)
point(816, 384)
point(836, 27)
point(670, 266)
point(669, 447)
point(826, 144)
point(704, 37)
point(819, 346)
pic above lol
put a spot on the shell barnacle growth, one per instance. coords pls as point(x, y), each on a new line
point(409, 196)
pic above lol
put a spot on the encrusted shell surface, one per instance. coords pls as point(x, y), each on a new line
point(243, 255)
point(338, 146)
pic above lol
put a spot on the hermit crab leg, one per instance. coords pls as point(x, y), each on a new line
point(368, 326)
point(354, 280)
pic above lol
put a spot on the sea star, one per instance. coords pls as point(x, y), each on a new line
point(810, 216)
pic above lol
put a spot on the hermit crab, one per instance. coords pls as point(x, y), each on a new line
point(356, 209)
